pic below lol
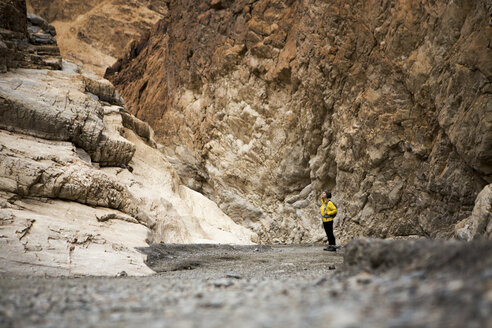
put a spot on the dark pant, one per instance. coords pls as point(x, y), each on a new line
point(329, 232)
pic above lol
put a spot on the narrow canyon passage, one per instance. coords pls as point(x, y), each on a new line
point(183, 188)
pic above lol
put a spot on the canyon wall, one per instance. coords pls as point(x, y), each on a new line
point(262, 104)
point(94, 33)
point(82, 183)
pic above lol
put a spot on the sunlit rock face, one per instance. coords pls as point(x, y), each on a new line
point(261, 105)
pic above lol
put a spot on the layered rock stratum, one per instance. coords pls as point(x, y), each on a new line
point(261, 105)
point(82, 183)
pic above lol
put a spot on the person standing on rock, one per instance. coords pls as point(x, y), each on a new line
point(328, 212)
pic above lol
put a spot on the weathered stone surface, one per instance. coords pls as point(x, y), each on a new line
point(142, 129)
point(181, 214)
point(57, 106)
point(26, 40)
point(60, 112)
point(36, 174)
point(479, 224)
point(60, 212)
point(40, 22)
point(54, 137)
point(113, 149)
point(105, 213)
point(38, 168)
point(62, 238)
point(94, 34)
point(13, 16)
point(387, 104)
point(100, 87)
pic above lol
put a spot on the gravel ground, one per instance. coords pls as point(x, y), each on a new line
point(257, 286)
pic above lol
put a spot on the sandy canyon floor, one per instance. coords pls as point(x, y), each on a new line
point(252, 286)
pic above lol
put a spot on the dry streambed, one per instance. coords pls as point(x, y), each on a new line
point(366, 284)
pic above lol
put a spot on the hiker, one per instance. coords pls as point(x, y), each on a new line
point(328, 212)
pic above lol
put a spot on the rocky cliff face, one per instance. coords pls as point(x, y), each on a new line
point(262, 104)
point(82, 185)
point(94, 33)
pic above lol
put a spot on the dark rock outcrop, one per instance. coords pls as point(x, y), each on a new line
point(262, 104)
point(13, 16)
point(429, 256)
point(26, 40)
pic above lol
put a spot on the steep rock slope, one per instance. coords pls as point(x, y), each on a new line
point(262, 104)
point(82, 185)
point(94, 33)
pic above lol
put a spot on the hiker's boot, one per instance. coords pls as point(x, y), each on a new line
point(330, 248)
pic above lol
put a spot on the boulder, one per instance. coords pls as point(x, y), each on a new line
point(479, 224)
point(422, 255)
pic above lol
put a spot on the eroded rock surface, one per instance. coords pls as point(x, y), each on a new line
point(26, 40)
point(70, 204)
point(55, 105)
point(479, 224)
point(82, 185)
point(94, 33)
point(260, 105)
point(59, 238)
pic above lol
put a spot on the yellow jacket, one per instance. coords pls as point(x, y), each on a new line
point(328, 210)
